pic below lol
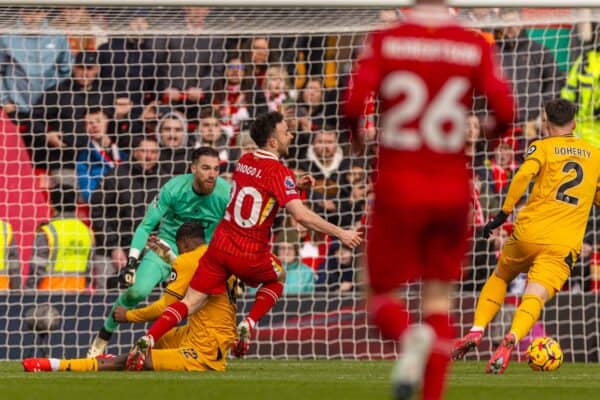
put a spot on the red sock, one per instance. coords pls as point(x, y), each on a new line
point(439, 360)
point(173, 315)
point(266, 297)
point(389, 315)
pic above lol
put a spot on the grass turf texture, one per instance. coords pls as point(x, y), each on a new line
point(306, 380)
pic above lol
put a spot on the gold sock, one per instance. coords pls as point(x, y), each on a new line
point(528, 312)
point(490, 300)
point(78, 364)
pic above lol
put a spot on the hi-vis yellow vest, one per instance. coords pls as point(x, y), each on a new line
point(6, 237)
point(70, 245)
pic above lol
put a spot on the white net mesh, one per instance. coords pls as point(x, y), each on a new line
point(192, 77)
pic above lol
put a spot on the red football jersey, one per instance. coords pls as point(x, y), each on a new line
point(425, 72)
point(261, 184)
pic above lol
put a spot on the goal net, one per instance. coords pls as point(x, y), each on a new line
point(102, 105)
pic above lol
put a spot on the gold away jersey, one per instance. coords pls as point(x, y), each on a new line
point(566, 171)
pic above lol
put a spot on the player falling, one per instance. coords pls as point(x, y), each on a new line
point(548, 231)
point(241, 243)
point(199, 196)
point(200, 345)
point(424, 71)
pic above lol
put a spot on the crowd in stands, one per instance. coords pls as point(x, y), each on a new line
point(107, 119)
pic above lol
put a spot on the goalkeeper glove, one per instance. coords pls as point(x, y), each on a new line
point(127, 274)
point(498, 220)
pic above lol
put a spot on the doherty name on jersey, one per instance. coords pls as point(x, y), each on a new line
point(572, 151)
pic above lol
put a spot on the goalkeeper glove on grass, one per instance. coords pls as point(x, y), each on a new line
point(127, 274)
point(498, 220)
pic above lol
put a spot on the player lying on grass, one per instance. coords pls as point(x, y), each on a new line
point(241, 244)
point(200, 345)
point(199, 196)
point(548, 232)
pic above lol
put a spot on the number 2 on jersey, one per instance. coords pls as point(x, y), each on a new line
point(560, 193)
point(445, 109)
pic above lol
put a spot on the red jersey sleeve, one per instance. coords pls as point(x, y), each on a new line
point(490, 83)
point(283, 185)
point(365, 80)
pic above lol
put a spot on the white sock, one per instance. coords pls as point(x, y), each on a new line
point(54, 363)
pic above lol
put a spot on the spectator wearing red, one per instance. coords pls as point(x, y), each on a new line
point(229, 99)
point(503, 165)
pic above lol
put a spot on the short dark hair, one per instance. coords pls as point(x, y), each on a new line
point(190, 230)
point(264, 126)
point(204, 151)
point(95, 110)
point(560, 112)
point(208, 112)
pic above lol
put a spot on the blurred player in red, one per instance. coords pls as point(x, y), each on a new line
point(424, 72)
point(241, 244)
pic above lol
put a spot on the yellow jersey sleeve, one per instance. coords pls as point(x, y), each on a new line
point(151, 311)
point(529, 169)
point(184, 268)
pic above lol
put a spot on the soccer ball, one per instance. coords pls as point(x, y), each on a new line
point(544, 354)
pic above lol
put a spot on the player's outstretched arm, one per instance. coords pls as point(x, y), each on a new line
point(311, 220)
point(517, 188)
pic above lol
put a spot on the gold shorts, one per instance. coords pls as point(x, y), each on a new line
point(176, 352)
point(547, 264)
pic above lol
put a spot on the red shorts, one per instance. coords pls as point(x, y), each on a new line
point(408, 244)
point(216, 266)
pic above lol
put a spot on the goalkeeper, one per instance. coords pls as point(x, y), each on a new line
point(201, 196)
point(201, 345)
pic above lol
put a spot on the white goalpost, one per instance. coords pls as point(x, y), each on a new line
point(137, 65)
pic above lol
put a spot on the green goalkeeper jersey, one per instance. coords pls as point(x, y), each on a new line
point(178, 202)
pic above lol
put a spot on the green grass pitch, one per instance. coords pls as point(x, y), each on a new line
point(287, 380)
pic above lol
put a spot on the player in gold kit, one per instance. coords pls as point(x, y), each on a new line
point(200, 345)
point(548, 231)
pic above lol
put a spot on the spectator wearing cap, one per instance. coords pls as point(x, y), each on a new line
point(31, 62)
point(58, 125)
